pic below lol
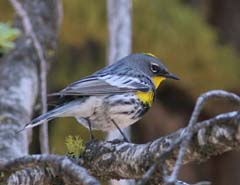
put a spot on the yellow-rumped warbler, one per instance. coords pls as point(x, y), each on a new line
point(113, 97)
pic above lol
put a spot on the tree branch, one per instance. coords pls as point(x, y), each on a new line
point(119, 160)
point(115, 159)
point(45, 168)
point(187, 135)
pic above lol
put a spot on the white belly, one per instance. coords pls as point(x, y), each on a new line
point(99, 112)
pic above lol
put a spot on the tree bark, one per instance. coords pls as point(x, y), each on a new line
point(120, 29)
point(47, 170)
point(127, 160)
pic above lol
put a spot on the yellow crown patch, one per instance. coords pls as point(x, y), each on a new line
point(150, 54)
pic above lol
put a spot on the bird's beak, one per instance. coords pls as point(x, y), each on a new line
point(172, 76)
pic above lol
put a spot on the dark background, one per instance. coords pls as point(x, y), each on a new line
point(199, 40)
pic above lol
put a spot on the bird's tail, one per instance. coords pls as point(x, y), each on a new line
point(57, 112)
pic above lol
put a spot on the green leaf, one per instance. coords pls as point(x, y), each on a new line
point(7, 37)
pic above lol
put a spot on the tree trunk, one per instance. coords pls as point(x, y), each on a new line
point(19, 72)
point(120, 43)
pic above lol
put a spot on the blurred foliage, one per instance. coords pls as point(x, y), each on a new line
point(6, 11)
point(74, 146)
point(7, 37)
point(186, 43)
point(171, 30)
point(82, 21)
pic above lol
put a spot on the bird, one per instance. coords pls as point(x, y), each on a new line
point(112, 98)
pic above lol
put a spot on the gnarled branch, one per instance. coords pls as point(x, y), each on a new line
point(120, 160)
point(45, 169)
point(116, 159)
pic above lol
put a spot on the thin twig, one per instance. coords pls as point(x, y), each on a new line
point(147, 175)
point(28, 28)
point(187, 134)
point(202, 183)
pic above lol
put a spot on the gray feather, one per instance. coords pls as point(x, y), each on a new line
point(95, 86)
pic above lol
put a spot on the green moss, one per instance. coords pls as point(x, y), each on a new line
point(74, 145)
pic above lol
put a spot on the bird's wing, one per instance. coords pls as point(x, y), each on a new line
point(109, 84)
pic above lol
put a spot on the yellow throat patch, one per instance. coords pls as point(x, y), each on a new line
point(157, 80)
point(147, 97)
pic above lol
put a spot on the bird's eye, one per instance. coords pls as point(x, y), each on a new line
point(155, 68)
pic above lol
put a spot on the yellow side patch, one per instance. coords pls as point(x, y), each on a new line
point(145, 97)
point(157, 80)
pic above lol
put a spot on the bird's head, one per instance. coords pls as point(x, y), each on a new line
point(153, 67)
